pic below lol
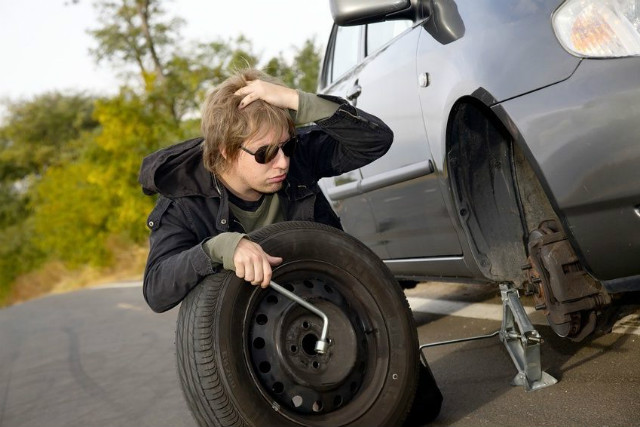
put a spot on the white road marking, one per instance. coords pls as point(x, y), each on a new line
point(627, 325)
point(127, 306)
point(477, 310)
point(132, 284)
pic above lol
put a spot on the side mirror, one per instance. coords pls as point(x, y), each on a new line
point(445, 24)
point(356, 12)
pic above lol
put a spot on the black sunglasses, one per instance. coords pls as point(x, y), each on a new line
point(266, 153)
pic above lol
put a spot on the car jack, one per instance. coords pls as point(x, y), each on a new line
point(520, 338)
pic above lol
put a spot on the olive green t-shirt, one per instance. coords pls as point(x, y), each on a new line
point(222, 247)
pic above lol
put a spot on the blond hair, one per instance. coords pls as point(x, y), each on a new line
point(225, 127)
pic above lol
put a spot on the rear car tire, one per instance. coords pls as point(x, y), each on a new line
point(245, 354)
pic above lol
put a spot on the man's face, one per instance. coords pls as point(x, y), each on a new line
point(249, 179)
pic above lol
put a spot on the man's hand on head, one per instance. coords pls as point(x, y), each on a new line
point(276, 95)
point(253, 264)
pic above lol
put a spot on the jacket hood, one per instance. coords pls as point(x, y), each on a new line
point(177, 171)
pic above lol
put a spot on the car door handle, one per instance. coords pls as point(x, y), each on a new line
point(354, 92)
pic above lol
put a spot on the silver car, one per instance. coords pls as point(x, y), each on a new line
point(516, 155)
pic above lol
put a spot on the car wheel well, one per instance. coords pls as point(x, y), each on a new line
point(481, 163)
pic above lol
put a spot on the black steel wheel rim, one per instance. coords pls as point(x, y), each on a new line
point(281, 337)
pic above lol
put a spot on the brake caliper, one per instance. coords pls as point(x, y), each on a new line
point(568, 295)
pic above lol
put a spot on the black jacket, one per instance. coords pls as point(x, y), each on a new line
point(193, 205)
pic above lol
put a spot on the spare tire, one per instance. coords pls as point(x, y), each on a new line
point(246, 355)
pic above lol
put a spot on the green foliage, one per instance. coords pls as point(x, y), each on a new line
point(38, 133)
point(190, 73)
point(306, 65)
point(18, 253)
point(13, 204)
point(279, 68)
point(131, 129)
point(76, 208)
point(134, 31)
point(137, 33)
point(300, 73)
point(70, 215)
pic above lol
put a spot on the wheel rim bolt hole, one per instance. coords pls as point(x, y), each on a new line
point(277, 387)
point(317, 406)
point(308, 284)
point(294, 348)
point(337, 401)
point(262, 319)
point(264, 367)
point(315, 364)
point(258, 343)
point(306, 325)
point(272, 299)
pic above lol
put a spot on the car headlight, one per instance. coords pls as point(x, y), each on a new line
point(599, 28)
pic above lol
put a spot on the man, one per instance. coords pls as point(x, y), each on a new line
point(251, 169)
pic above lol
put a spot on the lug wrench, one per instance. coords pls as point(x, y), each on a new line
point(322, 343)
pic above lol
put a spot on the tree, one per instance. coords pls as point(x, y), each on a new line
point(138, 33)
point(300, 73)
point(40, 132)
point(134, 31)
point(278, 67)
point(78, 206)
point(45, 132)
point(190, 72)
point(131, 129)
point(306, 65)
point(70, 214)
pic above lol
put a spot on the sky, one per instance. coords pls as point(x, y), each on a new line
point(44, 45)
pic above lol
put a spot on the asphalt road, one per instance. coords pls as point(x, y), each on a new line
point(100, 357)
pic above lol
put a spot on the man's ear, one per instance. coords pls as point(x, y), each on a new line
point(223, 152)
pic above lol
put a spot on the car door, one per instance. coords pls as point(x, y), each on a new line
point(401, 190)
point(339, 73)
point(409, 209)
